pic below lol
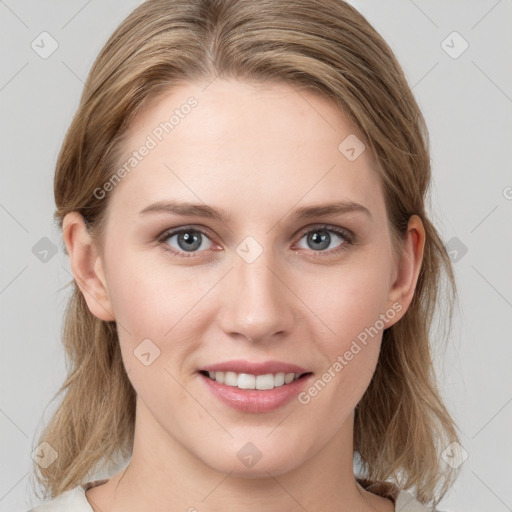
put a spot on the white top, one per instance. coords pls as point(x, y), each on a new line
point(74, 500)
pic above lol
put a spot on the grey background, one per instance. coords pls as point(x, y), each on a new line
point(467, 102)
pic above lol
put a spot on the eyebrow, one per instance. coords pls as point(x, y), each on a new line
point(203, 210)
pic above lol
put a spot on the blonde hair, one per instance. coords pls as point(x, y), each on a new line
point(324, 46)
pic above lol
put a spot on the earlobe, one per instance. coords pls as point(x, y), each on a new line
point(409, 264)
point(87, 266)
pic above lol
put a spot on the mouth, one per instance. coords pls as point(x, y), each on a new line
point(253, 387)
point(261, 382)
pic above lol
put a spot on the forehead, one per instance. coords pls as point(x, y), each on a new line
point(246, 145)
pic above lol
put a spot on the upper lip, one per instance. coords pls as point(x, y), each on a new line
point(263, 368)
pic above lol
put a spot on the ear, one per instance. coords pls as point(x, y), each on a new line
point(87, 266)
point(409, 265)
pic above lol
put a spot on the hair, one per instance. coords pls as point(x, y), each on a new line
point(327, 47)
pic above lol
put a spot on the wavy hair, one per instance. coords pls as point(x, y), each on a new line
point(324, 46)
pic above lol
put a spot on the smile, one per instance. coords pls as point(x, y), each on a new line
point(250, 381)
point(253, 387)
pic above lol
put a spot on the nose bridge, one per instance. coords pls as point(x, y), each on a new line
point(258, 305)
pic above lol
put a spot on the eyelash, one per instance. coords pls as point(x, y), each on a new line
point(348, 240)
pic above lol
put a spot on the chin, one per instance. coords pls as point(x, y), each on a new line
point(255, 459)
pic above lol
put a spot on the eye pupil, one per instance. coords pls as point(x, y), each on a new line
point(192, 242)
point(323, 240)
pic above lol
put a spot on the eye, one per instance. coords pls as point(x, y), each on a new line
point(185, 240)
point(188, 241)
point(325, 237)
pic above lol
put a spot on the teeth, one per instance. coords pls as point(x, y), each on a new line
point(289, 377)
point(248, 381)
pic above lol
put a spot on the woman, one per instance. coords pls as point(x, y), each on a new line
point(242, 198)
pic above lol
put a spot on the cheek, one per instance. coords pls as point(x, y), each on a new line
point(157, 309)
point(150, 297)
point(351, 304)
point(348, 299)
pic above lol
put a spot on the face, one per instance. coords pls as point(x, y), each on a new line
point(255, 283)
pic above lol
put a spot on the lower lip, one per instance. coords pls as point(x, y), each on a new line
point(255, 400)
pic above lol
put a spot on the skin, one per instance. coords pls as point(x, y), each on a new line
point(259, 152)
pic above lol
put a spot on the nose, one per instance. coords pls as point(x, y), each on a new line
point(257, 302)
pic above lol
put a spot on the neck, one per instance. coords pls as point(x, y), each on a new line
point(162, 475)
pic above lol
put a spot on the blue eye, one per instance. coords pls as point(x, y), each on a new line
point(186, 242)
point(319, 239)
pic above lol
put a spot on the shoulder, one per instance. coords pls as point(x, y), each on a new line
point(73, 500)
point(404, 501)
